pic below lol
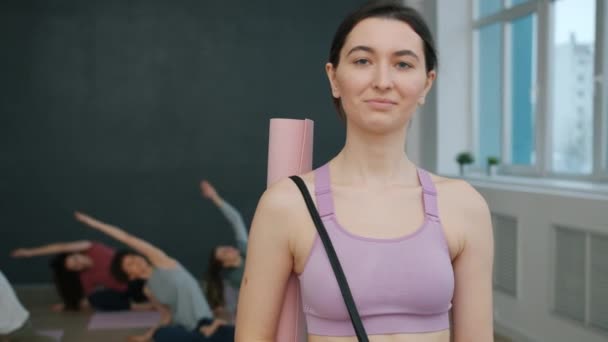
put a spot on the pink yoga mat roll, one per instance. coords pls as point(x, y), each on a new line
point(289, 148)
point(290, 153)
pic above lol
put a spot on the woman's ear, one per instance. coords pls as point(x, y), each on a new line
point(430, 78)
point(331, 76)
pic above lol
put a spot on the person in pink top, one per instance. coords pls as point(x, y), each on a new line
point(416, 248)
point(81, 272)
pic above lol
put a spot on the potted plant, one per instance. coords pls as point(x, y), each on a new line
point(464, 158)
point(492, 165)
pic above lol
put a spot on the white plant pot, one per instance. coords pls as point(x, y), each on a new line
point(492, 170)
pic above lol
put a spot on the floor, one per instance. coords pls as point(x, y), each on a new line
point(38, 301)
point(74, 325)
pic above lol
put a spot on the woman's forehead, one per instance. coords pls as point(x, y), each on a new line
point(383, 35)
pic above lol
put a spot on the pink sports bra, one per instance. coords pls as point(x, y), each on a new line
point(400, 285)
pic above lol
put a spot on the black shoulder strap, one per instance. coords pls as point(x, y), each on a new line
point(333, 259)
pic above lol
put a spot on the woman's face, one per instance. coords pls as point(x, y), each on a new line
point(381, 77)
point(227, 255)
point(135, 266)
point(77, 262)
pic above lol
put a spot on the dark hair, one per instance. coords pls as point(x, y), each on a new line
point(116, 266)
point(214, 283)
point(388, 9)
point(67, 282)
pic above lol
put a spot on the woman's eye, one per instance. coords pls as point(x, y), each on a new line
point(403, 65)
point(362, 61)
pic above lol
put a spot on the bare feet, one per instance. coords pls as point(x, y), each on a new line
point(59, 307)
point(142, 307)
point(138, 338)
point(210, 329)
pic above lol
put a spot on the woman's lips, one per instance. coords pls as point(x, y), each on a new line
point(380, 103)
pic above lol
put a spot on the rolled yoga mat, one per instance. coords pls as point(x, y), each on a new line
point(123, 320)
point(290, 153)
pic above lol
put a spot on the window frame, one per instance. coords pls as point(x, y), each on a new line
point(542, 166)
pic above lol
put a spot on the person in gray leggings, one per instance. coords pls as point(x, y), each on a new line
point(185, 313)
point(15, 325)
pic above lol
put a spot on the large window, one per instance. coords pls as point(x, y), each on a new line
point(538, 91)
point(488, 7)
point(571, 86)
point(521, 146)
point(490, 90)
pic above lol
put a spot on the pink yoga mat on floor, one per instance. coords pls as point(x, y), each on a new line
point(56, 334)
point(123, 319)
point(290, 153)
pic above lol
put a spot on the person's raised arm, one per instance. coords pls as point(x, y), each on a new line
point(230, 213)
point(53, 248)
point(210, 193)
point(156, 256)
point(268, 265)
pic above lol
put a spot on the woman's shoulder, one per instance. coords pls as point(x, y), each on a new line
point(285, 195)
point(461, 206)
point(460, 202)
point(459, 190)
point(281, 211)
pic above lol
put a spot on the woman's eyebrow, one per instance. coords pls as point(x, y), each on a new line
point(399, 53)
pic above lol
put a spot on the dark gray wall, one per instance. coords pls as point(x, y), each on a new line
point(119, 108)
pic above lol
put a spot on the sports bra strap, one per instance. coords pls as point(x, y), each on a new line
point(325, 201)
point(429, 194)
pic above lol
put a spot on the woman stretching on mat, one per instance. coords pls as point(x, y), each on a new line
point(82, 276)
point(226, 263)
point(413, 246)
point(185, 313)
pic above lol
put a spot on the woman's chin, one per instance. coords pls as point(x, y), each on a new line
point(380, 124)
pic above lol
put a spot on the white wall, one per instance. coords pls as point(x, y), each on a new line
point(442, 127)
point(414, 139)
point(528, 317)
point(422, 136)
point(454, 123)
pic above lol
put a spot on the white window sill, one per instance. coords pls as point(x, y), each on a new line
point(551, 186)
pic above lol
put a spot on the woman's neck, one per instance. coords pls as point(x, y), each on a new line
point(147, 272)
point(88, 262)
point(374, 160)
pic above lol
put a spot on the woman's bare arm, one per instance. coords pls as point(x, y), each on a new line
point(53, 248)
point(268, 266)
point(156, 256)
point(230, 213)
point(472, 303)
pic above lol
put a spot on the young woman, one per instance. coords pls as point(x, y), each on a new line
point(226, 263)
point(414, 246)
point(173, 291)
point(81, 272)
